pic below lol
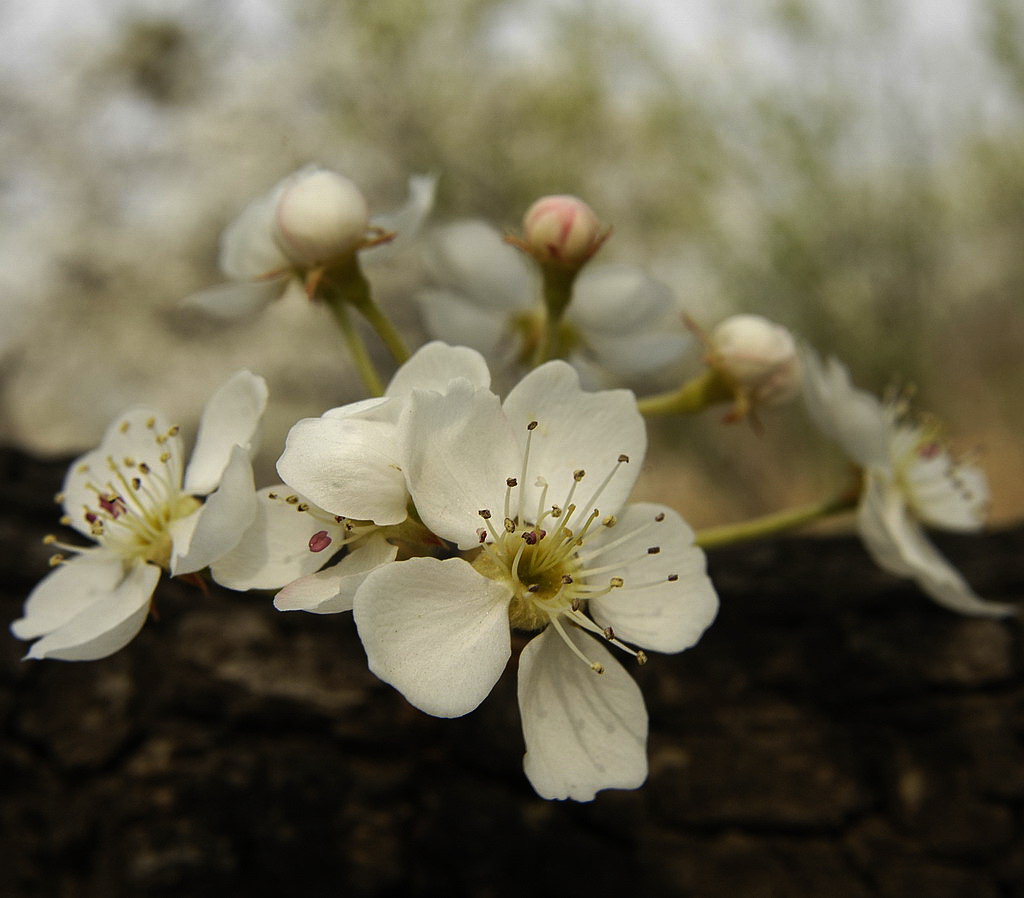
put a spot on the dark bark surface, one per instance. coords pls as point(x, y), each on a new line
point(834, 733)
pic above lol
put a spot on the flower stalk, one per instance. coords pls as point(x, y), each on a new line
point(777, 522)
point(701, 392)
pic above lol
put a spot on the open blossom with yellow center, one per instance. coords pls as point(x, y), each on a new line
point(533, 492)
point(136, 498)
point(911, 480)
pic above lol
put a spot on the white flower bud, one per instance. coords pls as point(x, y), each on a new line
point(320, 216)
point(562, 230)
point(759, 355)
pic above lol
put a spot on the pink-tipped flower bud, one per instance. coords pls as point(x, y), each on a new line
point(320, 216)
point(759, 355)
point(561, 230)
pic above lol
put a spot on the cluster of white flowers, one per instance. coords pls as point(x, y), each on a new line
point(448, 518)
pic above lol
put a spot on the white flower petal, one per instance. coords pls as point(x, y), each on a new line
point(898, 544)
point(577, 430)
point(67, 590)
point(275, 548)
point(613, 299)
point(407, 221)
point(106, 625)
point(435, 630)
point(334, 589)
point(644, 353)
point(472, 259)
point(218, 525)
point(247, 247)
point(231, 418)
point(348, 466)
point(853, 418)
point(453, 318)
point(584, 731)
point(947, 495)
point(459, 452)
point(237, 300)
point(434, 366)
point(650, 611)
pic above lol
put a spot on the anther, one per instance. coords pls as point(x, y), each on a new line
point(143, 468)
point(124, 427)
point(654, 550)
point(533, 588)
point(165, 457)
point(616, 582)
point(672, 578)
point(319, 541)
point(128, 462)
point(136, 483)
point(173, 431)
point(556, 511)
point(579, 475)
point(59, 498)
point(482, 535)
point(566, 579)
point(610, 521)
point(510, 525)
point(609, 633)
point(485, 513)
point(49, 539)
point(597, 667)
point(576, 604)
point(150, 423)
point(339, 518)
point(532, 425)
point(641, 657)
point(65, 519)
point(530, 537)
point(292, 500)
point(302, 506)
point(271, 495)
point(56, 559)
point(511, 481)
point(623, 458)
point(660, 516)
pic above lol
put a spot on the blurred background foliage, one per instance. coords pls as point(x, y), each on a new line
point(850, 168)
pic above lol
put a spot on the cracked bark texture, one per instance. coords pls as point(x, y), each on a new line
point(834, 733)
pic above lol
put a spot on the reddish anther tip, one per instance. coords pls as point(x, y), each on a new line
point(319, 541)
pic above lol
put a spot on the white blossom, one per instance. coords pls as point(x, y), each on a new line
point(911, 480)
point(532, 492)
point(135, 497)
point(759, 355)
point(308, 219)
point(621, 322)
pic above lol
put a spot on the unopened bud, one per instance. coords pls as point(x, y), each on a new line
point(759, 355)
point(320, 216)
point(561, 230)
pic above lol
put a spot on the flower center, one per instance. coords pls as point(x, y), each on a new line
point(135, 502)
point(539, 555)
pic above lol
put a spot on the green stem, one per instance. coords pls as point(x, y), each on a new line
point(557, 285)
point(384, 328)
point(779, 522)
point(706, 389)
point(354, 342)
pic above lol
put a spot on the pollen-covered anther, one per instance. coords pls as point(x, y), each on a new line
point(56, 559)
point(579, 475)
point(511, 481)
point(609, 633)
point(616, 582)
point(292, 500)
point(49, 539)
point(610, 521)
point(623, 459)
point(143, 468)
point(510, 525)
point(302, 506)
point(641, 657)
point(65, 519)
point(597, 667)
point(485, 513)
point(59, 498)
point(566, 579)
